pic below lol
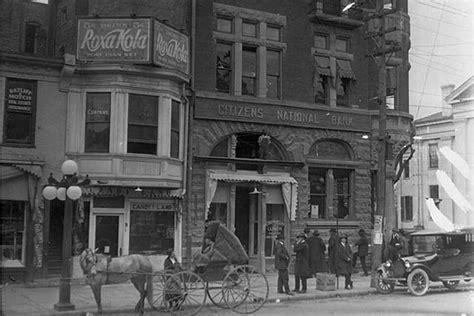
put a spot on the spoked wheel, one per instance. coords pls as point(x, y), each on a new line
point(418, 282)
point(155, 299)
point(184, 293)
point(215, 293)
point(451, 284)
point(382, 286)
point(245, 290)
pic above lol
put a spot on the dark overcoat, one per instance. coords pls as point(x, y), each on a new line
point(282, 257)
point(362, 245)
point(317, 257)
point(301, 249)
point(343, 258)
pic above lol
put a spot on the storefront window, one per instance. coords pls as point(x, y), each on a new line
point(97, 122)
point(151, 232)
point(13, 231)
point(317, 179)
point(142, 124)
point(275, 225)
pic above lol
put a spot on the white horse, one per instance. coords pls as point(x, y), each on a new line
point(100, 269)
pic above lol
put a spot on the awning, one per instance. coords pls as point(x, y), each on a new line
point(288, 186)
point(34, 170)
point(344, 69)
point(322, 66)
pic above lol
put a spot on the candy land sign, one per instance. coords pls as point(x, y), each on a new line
point(171, 48)
point(114, 40)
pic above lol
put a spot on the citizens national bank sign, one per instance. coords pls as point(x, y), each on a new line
point(139, 40)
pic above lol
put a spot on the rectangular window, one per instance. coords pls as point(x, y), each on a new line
point(13, 232)
point(97, 123)
point(218, 212)
point(275, 225)
point(321, 41)
point(142, 124)
point(224, 67)
point(322, 90)
point(342, 193)
point(406, 168)
point(249, 70)
point(342, 44)
point(332, 7)
point(318, 193)
point(343, 91)
point(20, 111)
point(249, 29)
point(63, 15)
point(31, 31)
point(273, 74)
point(407, 208)
point(434, 194)
point(151, 232)
point(391, 84)
point(433, 155)
point(175, 128)
point(273, 33)
point(224, 25)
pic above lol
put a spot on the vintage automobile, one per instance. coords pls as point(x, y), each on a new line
point(435, 256)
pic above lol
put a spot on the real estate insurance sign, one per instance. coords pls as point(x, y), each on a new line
point(113, 40)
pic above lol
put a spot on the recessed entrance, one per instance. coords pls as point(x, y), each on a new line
point(242, 211)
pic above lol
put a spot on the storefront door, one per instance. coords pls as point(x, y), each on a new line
point(107, 231)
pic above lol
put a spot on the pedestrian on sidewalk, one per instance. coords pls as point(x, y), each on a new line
point(302, 270)
point(282, 260)
point(332, 242)
point(362, 250)
point(317, 250)
point(344, 261)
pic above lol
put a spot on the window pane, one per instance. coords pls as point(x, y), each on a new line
point(342, 191)
point(18, 128)
point(175, 129)
point(249, 70)
point(97, 122)
point(151, 232)
point(273, 87)
point(273, 62)
point(223, 67)
point(317, 180)
point(224, 25)
point(321, 41)
point(321, 90)
point(342, 92)
point(249, 29)
point(13, 228)
point(273, 33)
point(30, 38)
point(342, 44)
point(142, 124)
point(433, 155)
point(332, 7)
point(275, 225)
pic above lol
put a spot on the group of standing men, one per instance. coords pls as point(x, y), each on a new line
point(311, 259)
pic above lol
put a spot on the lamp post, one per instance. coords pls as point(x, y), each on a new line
point(68, 189)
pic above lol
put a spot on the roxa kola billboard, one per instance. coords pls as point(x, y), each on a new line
point(134, 40)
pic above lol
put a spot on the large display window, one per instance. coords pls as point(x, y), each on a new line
point(13, 232)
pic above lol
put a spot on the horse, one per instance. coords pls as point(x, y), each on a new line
point(100, 269)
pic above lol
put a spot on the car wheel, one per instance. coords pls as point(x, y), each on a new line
point(418, 282)
point(451, 284)
point(382, 286)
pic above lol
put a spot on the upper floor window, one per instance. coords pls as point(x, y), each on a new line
point(434, 194)
point(321, 41)
point(406, 169)
point(63, 15)
point(255, 45)
point(142, 124)
point(332, 7)
point(391, 84)
point(342, 44)
point(175, 128)
point(97, 136)
point(31, 33)
point(407, 208)
point(433, 155)
point(20, 111)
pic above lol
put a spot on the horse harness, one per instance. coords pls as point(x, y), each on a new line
point(94, 260)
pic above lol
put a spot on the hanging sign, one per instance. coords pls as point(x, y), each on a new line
point(171, 48)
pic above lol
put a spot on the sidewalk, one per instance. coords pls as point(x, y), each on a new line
point(39, 298)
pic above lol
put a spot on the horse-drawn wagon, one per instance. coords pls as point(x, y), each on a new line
point(219, 272)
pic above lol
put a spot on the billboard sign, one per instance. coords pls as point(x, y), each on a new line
point(171, 48)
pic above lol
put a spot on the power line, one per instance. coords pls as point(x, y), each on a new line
point(450, 36)
point(443, 56)
point(446, 22)
point(451, 60)
point(435, 68)
point(443, 45)
point(444, 9)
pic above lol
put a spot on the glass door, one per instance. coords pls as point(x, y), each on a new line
point(108, 234)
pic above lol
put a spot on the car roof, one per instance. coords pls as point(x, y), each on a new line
point(467, 230)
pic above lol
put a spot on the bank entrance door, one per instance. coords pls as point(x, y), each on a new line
point(107, 230)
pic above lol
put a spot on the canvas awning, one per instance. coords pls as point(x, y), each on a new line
point(344, 69)
point(322, 65)
point(288, 186)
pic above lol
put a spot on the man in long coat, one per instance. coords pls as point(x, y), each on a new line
point(344, 260)
point(317, 257)
point(302, 270)
point(282, 260)
point(332, 242)
point(362, 251)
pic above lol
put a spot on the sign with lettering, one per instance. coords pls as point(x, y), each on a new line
point(281, 115)
point(20, 95)
point(171, 48)
point(155, 206)
point(114, 40)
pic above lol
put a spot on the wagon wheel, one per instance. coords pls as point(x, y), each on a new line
point(245, 290)
point(418, 282)
point(215, 293)
point(184, 293)
point(156, 299)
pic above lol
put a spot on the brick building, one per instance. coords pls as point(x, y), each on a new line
point(285, 127)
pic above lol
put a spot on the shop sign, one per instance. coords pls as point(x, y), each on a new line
point(154, 206)
point(171, 48)
point(20, 95)
point(281, 115)
point(114, 40)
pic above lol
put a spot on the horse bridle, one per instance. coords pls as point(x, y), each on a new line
point(90, 257)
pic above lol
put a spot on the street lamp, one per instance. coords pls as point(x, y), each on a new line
point(68, 189)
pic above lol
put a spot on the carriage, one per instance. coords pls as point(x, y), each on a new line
point(225, 279)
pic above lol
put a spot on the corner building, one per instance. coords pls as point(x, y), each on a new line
point(285, 119)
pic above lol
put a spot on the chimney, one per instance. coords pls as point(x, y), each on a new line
point(446, 109)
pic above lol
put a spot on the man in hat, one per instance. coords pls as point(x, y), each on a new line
point(343, 260)
point(362, 250)
point(302, 270)
point(317, 250)
point(282, 260)
point(394, 245)
point(332, 242)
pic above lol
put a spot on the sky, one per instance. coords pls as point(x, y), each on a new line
point(442, 50)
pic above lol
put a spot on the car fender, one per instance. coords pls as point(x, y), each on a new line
point(431, 275)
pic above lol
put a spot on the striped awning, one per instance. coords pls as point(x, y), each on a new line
point(239, 177)
point(344, 69)
point(323, 67)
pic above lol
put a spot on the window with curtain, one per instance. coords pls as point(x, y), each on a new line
point(97, 136)
point(223, 67)
point(249, 70)
point(175, 128)
point(142, 124)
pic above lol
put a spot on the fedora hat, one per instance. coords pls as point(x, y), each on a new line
point(343, 236)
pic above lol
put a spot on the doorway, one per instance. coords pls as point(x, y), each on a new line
point(107, 233)
point(55, 237)
point(242, 216)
